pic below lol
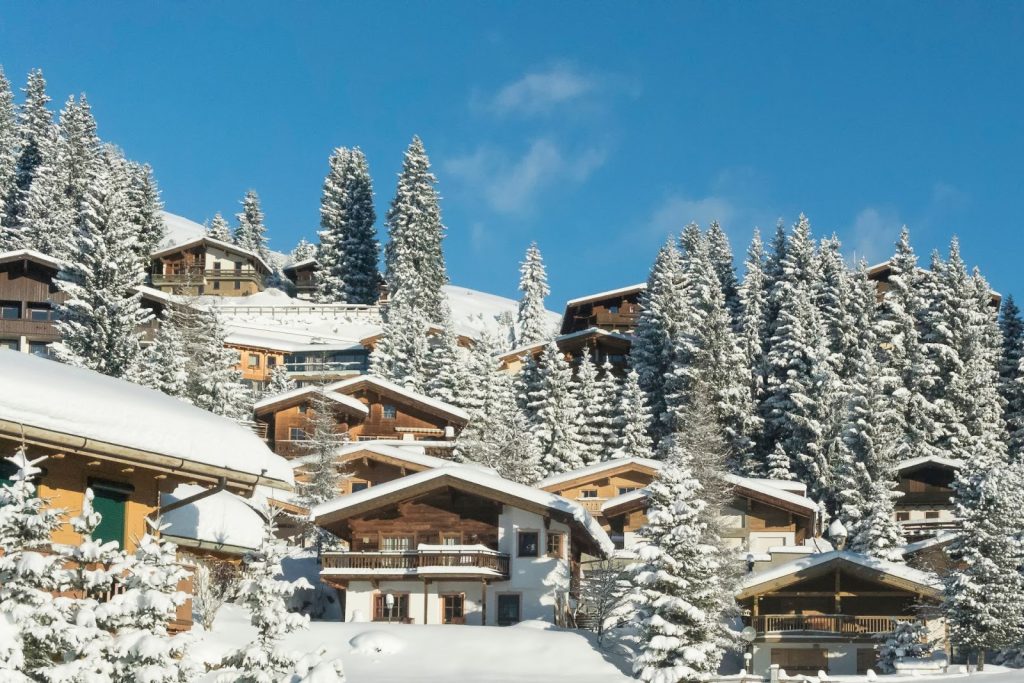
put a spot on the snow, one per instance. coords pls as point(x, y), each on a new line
point(768, 488)
point(224, 246)
point(181, 230)
point(938, 539)
point(31, 255)
point(952, 463)
point(604, 295)
point(477, 477)
point(476, 311)
point(82, 403)
point(589, 332)
point(433, 654)
point(597, 468)
point(222, 519)
point(923, 579)
point(355, 382)
point(347, 401)
point(407, 454)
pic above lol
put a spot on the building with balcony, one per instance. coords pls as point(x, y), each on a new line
point(205, 266)
point(457, 545)
point(259, 355)
point(600, 345)
point(365, 408)
point(614, 311)
point(824, 612)
point(303, 276)
point(926, 507)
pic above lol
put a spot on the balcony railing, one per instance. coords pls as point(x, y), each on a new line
point(591, 505)
point(30, 328)
point(917, 530)
point(198, 275)
point(315, 367)
point(844, 624)
point(417, 562)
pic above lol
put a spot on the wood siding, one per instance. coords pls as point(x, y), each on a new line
point(26, 282)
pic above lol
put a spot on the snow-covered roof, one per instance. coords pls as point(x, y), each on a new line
point(301, 393)
point(589, 332)
point(604, 295)
point(406, 455)
point(262, 341)
point(798, 568)
point(775, 492)
point(180, 229)
point(624, 498)
point(940, 538)
point(952, 463)
point(219, 244)
point(476, 479)
point(796, 487)
point(97, 412)
point(29, 255)
point(355, 383)
point(597, 468)
point(222, 521)
point(152, 293)
point(301, 264)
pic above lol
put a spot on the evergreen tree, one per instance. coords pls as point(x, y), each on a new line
point(720, 254)
point(162, 365)
point(446, 375)
point(98, 322)
point(1011, 376)
point(753, 338)
point(219, 229)
point(591, 420)
point(532, 322)
point(416, 272)
point(214, 383)
point(320, 448)
point(36, 137)
point(610, 421)
point(636, 419)
point(280, 382)
point(555, 409)
point(778, 465)
point(8, 155)
point(303, 251)
point(250, 233)
point(402, 354)
point(48, 215)
point(145, 209)
point(349, 251)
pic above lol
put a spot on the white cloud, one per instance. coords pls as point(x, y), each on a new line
point(874, 233)
point(673, 214)
point(540, 91)
point(512, 185)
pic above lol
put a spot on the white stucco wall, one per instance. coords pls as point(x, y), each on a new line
point(841, 657)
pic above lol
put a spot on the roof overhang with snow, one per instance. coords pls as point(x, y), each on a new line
point(898, 576)
point(29, 255)
point(600, 470)
point(914, 464)
point(472, 481)
point(600, 296)
point(306, 394)
point(397, 456)
point(310, 263)
point(369, 382)
point(218, 244)
point(571, 339)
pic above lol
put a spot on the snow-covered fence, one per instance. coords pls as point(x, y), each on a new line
point(342, 311)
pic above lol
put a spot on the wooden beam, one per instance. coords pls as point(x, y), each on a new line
point(842, 594)
point(426, 592)
point(483, 602)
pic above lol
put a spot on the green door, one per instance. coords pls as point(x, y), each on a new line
point(111, 503)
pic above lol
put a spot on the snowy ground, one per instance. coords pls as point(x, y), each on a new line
point(435, 654)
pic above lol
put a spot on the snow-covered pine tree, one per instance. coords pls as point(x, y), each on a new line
point(609, 397)
point(679, 594)
point(796, 403)
point(636, 419)
point(98, 322)
point(250, 233)
point(591, 420)
point(753, 335)
point(447, 376)
point(48, 214)
point(402, 353)
point(415, 267)
point(555, 410)
point(214, 383)
point(1011, 377)
point(303, 251)
point(660, 323)
point(279, 382)
point(532, 323)
point(778, 465)
point(265, 594)
point(219, 229)
point(349, 251)
point(162, 365)
point(720, 253)
point(145, 209)
point(320, 450)
point(36, 136)
point(8, 154)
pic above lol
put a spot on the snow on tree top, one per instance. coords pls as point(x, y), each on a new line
point(475, 478)
point(222, 519)
point(51, 396)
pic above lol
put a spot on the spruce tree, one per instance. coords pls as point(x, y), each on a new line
point(145, 209)
point(320, 448)
point(98, 322)
point(532, 323)
point(636, 419)
point(250, 233)
point(162, 365)
point(219, 229)
point(349, 251)
point(753, 338)
point(555, 410)
point(591, 419)
point(279, 382)
point(214, 383)
point(36, 138)
point(446, 374)
point(303, 251)
point(402, 354)
point(611, 422)
point(720, 253)
point(8, 156)
point(415, 268)
point(1011, 376)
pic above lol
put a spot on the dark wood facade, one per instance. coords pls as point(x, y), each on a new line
point(616, 311)
point(440, 517)
point(28, 297)
point(601, 346)
point(303, 276)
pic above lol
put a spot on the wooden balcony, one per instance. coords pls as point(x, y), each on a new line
point(42, 330)
point(460, 562)
point(591, 505)
point(837, 624)
point(918, 529)
point(198, 276)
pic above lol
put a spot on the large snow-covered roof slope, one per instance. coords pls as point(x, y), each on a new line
point(308, 393)
point(598, 468)
point(93, 412)
point(892, 573)
point(353, 384)
point(471, 480)
point(29, 255)
point(409, 457)
point(921, 461)
point(222, 521)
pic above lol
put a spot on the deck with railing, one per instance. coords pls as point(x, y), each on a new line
point(919, 529)
point(455, 562)
point(838, 624)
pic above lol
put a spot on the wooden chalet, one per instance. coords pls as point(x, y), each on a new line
point(303, 274)
point(465, 341)
point(366, 408)
point(457, 545)
point(615, 311)
point(826, 611)
point(206, 266)
point(128, 443)
point(926, 506)
point(880, 274)
point(602, 346)
point(305, 361)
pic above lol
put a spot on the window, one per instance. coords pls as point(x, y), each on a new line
point(451, 538)
point(110, 501)
point(528, 542)
point(617, 531)
point(297, 434)
point(588, 493)
point(902, 516)
point(254, 361)
point(454, 607)
point(359, 486)
point(399, 612)
point(508, 609)
point(238, 284)
point(614, 310)
point(216, 284)
point(389, 412)
point(303, 409)
point(39, 348)
point(626, 489)
point(10, 310)
point(238, 267)
point(12, 344)
point(931, 514)
point(395, 543)
point(271, 361)
point(216, 265)
point(556, 542)
point(40, 312)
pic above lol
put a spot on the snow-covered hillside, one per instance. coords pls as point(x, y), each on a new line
point(181, 229)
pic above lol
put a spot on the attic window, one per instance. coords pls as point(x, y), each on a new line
point(588, 493)
point(389, 412)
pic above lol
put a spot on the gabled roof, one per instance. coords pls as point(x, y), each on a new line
point(30, 255)
point(392, 455)
point(470, 480)
point(209, 241)
point(938, 461)
point(84, 411)
point(606, 295)
point(223, 521)
point(353, 384)
point(258, 341)
point(562, 338)
point(940, 539)
point(891, 573)
point(599, 469)
point(301, 394)
point(300, 264)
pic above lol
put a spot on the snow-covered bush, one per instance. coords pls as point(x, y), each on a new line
point(909, 640)
point(213, 582)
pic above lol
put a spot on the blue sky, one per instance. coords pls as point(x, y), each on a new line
point(596, 129)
